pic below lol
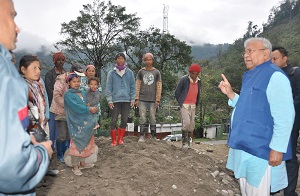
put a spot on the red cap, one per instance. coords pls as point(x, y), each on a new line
point(195, 68)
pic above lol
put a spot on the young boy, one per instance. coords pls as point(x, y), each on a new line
point(93, 97)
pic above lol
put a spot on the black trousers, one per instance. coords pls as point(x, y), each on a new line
point(124, 109)
point(292, 166)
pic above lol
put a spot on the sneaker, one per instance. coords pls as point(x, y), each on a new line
point(77, 172)
point(88, 165)
point(142, 139)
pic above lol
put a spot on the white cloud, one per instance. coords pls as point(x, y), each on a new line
point(32, 43)
point(197, 21)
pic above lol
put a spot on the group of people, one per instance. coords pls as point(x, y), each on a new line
point(265, 121)
point(124, 92)
point(74, 99)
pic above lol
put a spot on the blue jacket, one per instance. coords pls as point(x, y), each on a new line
point(253, 124)
point(22, 165)
point(182, 90)
point(120, 89)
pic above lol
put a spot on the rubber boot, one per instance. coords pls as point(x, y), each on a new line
point(185, 139)
point(189, 138)
point(121, 133)
point(142, 133)
point(153, 131)
point(113, 134)
point(60, 151)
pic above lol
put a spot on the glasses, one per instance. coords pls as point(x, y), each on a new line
point(249, 52)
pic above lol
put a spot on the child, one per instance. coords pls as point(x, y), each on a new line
point(93, 97)
point(80, 124)
point(30, 70)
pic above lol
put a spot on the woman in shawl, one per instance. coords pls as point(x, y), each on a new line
point(80, 124)
point(30, 70)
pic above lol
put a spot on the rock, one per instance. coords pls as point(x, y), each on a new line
point(215, 173)
point(225, 181)
point(224, 192)
point(230, 192)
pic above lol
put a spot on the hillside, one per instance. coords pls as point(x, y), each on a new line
point(287, 34)
point(208, 51)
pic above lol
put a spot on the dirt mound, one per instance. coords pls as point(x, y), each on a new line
point(150, 168)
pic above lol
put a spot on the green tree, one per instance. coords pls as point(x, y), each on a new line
point(252, 30)
point(92, 37)
point(171, 56)
point(169, 52)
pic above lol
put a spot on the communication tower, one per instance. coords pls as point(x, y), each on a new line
point(165, 19)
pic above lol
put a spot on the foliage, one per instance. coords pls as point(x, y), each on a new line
point(283, 13)
point(213, 107)
point(252, 30)
point(170, 53)
point(92, 36)
point(282, 30)
point(105, 114)
point(208, 51)
point(288, 36)
point(170, 56)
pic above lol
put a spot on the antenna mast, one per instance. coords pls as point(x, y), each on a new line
point(165, 19)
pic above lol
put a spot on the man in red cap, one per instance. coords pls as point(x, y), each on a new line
point(58, 59)
point(187, 94)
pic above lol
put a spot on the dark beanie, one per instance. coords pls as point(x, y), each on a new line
point(120, 54)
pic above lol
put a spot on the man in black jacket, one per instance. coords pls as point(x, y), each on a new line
point(58, 59)
point(187, 94)
point(279, 58)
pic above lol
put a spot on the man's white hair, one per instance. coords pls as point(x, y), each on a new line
point(266, 43)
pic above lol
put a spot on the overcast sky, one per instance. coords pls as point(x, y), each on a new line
point(197, 21)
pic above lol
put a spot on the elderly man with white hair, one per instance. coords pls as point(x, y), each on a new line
point(261, 122)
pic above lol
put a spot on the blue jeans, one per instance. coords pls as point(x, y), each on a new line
point(124, 109)
point(53, 129)
point(143, 108)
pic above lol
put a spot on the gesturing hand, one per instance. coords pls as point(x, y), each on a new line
point(226, 87)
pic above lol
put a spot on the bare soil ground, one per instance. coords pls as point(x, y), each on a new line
point(147, 169)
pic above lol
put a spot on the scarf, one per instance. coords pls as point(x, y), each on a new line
point(36, 95)
point(74, 90)
point(120, 68)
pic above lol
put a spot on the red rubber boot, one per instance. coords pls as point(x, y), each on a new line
point(121, 133)
point(113, 134)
